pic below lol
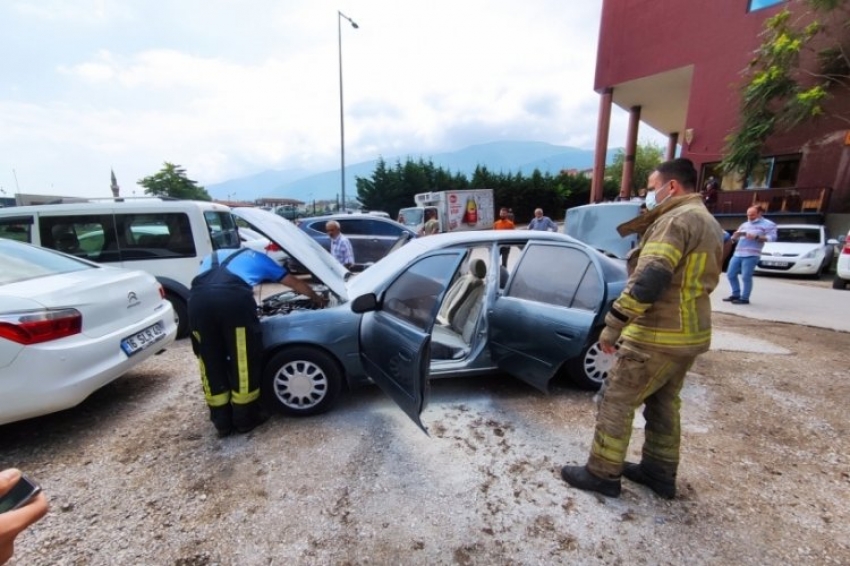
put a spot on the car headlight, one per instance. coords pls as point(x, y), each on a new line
point(811, 255)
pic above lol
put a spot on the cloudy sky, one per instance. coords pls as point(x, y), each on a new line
point(228, 88)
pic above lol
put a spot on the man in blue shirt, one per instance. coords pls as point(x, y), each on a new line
point(542, 223)
point(750, 237)
point(227, 336)
point(340, 245)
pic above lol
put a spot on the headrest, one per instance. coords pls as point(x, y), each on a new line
point(478, 268)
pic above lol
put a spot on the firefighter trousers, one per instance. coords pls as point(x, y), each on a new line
point(227, 338)
point(638, 377)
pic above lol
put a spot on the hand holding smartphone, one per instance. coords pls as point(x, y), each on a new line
point(20, 494)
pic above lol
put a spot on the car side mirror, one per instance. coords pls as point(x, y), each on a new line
point(832, 242)
point(365, 303)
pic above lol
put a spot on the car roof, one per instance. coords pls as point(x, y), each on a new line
point(101, 205)
point(421, 246)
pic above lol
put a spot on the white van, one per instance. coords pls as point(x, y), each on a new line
point(167, 238)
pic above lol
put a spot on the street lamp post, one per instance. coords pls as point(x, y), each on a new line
point(340, 16)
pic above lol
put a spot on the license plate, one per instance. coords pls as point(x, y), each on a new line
point(143, 339)
point(775, 263)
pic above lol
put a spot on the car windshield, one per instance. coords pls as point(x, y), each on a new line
point(798, 236)
point(22, 263)
point(411, 217)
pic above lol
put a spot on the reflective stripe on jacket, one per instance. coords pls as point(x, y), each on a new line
point(682, 244)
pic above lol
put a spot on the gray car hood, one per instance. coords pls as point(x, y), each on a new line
point(299, 246)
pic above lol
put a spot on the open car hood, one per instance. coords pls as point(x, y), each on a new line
point(298, 245)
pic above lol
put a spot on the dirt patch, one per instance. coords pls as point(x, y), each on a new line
point(135, 475)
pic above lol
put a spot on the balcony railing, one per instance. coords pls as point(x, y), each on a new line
point(798, 201)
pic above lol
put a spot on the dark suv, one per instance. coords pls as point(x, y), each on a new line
point(371, 236)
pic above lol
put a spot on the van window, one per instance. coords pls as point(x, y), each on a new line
point(16, 228)
point(154, 235)
point(222, 230)
point(122, 237)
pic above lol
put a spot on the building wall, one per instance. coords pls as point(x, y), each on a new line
point(641, 38)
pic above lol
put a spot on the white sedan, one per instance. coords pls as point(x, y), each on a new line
point(69, 326)
point(799, 249)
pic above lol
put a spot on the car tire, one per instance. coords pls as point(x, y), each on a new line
point(301, 381)
point(839, 283)
point(590, 368)
point(181, 314)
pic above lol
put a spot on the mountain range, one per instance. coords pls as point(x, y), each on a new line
point(498, 157)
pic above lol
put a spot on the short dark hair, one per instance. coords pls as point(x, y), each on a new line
point(681, 170)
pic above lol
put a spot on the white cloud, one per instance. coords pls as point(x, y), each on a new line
point(227, 89)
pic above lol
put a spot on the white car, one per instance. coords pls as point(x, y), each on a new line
point(842, 267)
point(69, 326)
point(799, 249)
point(259, 243)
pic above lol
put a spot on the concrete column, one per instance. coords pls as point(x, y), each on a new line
point(602, 126)
point(631, 154)
point(672, 142)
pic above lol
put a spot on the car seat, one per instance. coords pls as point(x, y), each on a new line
point(460, 291)
point(452, 336)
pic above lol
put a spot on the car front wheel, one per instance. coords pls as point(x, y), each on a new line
point(301, 381)
point(590, 368)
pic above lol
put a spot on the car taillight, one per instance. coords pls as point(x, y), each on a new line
point(161, 292)
point(846, 249)
point(35, 327)
point(272, 247)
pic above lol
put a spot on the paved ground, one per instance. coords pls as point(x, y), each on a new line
point(796, 301)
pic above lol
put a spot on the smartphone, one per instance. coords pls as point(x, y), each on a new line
point(20, 494)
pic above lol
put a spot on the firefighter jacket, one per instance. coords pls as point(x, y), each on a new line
point(665, 305)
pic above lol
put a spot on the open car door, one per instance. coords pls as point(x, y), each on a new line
point(395, 329)
point(546, 312)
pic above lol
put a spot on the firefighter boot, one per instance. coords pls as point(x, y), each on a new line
point(579, 477)
point(655, 477)
point(248, 417)
point(221, 417)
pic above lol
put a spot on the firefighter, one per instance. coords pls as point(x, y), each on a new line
point(661, 321)
point(226, 334)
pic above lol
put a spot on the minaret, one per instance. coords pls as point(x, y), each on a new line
point(114, 185)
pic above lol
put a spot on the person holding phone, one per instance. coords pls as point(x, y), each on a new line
point(750, 238)
point(24, 509)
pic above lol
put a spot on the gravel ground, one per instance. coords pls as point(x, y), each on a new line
point(135, 475)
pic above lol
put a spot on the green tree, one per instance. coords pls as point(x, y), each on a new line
point(171, 181)
point(391, 189)
point(647, 157)
point(801, 63)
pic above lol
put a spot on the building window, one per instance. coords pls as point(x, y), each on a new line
point(777, 172)
point(759, 4)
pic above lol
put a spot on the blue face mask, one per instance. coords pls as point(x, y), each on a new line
point(650, 200)
point(652, 197)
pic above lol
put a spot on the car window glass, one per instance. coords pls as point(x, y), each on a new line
point(83, 235)
point(414, 295)
point(22, 263)
point(17, 228)
point(385, 229)
point(222, 230)
point(798, 236)
point(158, 235)
point(590, 291)
point(352, 227)
point(551, 274)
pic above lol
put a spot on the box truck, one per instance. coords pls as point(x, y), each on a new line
point(456, 210)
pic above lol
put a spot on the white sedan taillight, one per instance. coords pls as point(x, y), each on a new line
point(35, 327)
